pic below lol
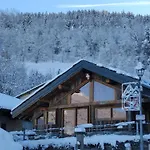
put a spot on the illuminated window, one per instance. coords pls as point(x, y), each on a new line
point(69, 117)
point(119, 113)
point(51, 117)
point(40, 122)
point(103, 113)
point(82, 95)
point(103, 92)
point(82, 116)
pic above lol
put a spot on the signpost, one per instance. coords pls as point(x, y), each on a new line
point(132, 101)
point(140, 117)
point(131, 96)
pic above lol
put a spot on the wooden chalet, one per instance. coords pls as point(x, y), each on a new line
point(85, 93)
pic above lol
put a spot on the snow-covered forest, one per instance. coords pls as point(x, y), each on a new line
point(114, 39)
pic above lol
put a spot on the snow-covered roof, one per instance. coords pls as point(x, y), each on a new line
point(30, 90)
point(115, 74)
point(44, 85)
point(8, 102)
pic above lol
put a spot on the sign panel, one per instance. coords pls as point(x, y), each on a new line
point(140, 117)
point(130, 96)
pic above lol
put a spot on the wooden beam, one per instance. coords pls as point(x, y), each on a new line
point(64, 88)
point(91, 114)
point(43, 104)
point(46, 118)
point(91, 91)
point(115, 103)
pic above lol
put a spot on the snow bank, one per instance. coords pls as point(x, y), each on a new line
point(110, 139)
point(88, 125)
point(71, 141)
point(57, 142)
point(7, 142)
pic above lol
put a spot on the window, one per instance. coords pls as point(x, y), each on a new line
point(40, 122)
point(103, 113)
point(82, 95)
point(119, 113)
point(69, 117)
point(103, 92)
point(52, 117)
point(82, 116)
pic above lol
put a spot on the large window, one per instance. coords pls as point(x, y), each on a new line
point(69, 117)
point(40, 122)
point(109, 115)
point(103, 92)
point(119, 113)
point(103, 113)
point(82, 116)
point(82, 95)
point(69, 121)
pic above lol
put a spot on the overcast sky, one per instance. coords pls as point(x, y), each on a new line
point(135, 6)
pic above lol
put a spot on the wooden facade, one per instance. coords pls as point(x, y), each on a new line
point(85, 96)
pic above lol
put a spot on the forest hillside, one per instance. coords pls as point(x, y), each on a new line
point(116, 40)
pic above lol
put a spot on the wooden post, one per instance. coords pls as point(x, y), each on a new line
point(46, 119)
point(91, 112)
point(148, 119)
point(59, 117)
point(129, 119)
point(69, 99)
point(91, 91)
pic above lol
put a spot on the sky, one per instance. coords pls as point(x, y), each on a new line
point(134, 6)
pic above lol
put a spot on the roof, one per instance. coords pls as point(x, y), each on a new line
point(83, 64)
point(29, 91)
point(8, 102)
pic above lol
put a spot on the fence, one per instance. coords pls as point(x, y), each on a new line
point(40, 132)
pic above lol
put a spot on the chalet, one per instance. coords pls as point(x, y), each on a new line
point(85, 93)
point(6, 121)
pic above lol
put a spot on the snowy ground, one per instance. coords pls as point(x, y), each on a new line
point(71, 141)
point(7, 142)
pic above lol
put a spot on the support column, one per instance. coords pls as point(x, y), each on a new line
point(129, 119)
point(45, 119)
point(59, 118)
point(91, 112)
point(91, 91)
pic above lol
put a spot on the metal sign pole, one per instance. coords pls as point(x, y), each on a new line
point(141, 121)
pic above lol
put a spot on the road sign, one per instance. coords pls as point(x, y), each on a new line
point(130, 96)
point(140, 117)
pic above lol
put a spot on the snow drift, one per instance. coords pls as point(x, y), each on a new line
point(7, 142)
